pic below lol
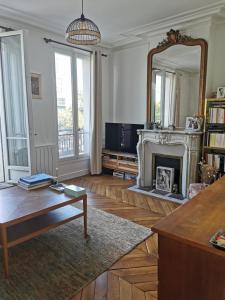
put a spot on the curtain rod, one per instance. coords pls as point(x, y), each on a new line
point(7, 28)
point(64, 44)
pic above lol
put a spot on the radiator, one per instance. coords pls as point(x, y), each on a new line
point(45, 160)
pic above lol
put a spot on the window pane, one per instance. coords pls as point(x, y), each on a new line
point(64, 105)
point(17, 152)
point(15, 117)
point(158, 98)
point(83, 96)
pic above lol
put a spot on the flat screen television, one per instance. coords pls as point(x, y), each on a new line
point(122, 137)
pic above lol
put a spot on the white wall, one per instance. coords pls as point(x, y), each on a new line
point(218, 57)
point(129, 84)
point(129, 67)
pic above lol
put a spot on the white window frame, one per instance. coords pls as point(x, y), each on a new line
point(73, 55)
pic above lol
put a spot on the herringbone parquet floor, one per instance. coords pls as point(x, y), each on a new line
point(134, 276)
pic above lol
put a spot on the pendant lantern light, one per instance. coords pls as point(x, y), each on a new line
point(83, 31)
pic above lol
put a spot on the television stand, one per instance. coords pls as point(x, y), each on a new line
point(120, 161)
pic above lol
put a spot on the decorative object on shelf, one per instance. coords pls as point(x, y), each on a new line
point(221, 92)
point(175, 189)
point(208, 174)
point(83, 31)
point(155, 125)
point(36, 85)
point(195, 189)
point(171, 127)
point(193, 123)
point(164, 178)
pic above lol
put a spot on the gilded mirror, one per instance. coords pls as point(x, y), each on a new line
point(176, 80)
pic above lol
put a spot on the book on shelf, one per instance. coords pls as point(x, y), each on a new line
point(217, 140)
point(216, 115)
point(216, 160)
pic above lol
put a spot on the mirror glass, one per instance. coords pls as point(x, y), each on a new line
point(175, 85)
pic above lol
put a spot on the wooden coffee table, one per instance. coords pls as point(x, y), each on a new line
point(26, 214)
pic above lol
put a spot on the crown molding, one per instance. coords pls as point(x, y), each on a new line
point(154, 36)
point(191, 17)
point(21, 17)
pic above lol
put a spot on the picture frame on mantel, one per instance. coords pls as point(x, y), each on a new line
point(221, 92)
point(193, 124)
point(36, 87)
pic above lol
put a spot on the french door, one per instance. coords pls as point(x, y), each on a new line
point(14, 107)
point(2, 177)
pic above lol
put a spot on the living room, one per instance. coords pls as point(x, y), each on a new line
point(121, 106)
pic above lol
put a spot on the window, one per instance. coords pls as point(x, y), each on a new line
point(73, 103)
point(164, 96)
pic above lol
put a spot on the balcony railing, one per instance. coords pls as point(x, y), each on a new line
point(66, 143)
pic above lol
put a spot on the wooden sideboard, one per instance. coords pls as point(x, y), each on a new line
point(120, 161)
point(189, 267)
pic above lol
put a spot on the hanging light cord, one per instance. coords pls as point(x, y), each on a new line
point(82, 15)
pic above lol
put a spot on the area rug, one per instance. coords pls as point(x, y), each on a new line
point(55, 265)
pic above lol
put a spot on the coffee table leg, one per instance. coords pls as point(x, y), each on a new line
point(5, 251)
point(85, 216)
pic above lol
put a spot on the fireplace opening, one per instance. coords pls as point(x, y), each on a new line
point(161, 160)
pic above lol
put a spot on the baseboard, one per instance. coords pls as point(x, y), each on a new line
point(73, 175)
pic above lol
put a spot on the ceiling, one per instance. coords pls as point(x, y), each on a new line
point(114, 18)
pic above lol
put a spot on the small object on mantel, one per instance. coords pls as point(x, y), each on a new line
point(74, 191)
point(218, 239)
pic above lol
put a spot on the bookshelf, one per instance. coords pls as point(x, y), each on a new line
point(214, 134)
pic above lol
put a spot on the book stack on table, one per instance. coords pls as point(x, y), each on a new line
point(74, 191)
point(35, 181)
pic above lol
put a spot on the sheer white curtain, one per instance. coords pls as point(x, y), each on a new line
point(177, 101)
point(96, 114)
point(172, 99)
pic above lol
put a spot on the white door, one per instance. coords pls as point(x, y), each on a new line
point(14, 107)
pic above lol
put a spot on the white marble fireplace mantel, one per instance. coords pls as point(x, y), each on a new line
point(177, 143)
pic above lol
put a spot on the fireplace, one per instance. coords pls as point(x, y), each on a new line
point(173, 149)
point(162, 160)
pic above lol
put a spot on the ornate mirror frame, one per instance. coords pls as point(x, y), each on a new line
point(174, 37)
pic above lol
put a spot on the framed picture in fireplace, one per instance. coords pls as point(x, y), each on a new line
point(164, 179)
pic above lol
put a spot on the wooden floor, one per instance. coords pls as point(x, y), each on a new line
point(134, 276)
